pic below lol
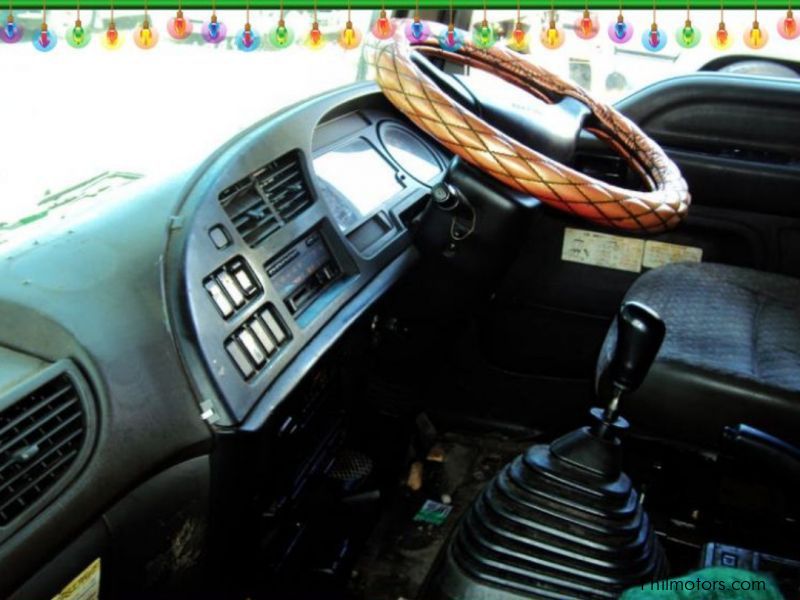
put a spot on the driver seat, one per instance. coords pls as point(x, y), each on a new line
point(731, 353)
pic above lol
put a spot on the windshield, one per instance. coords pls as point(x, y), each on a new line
point(611, 71)
point(77, 121)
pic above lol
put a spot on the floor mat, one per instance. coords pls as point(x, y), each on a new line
point(404, 545)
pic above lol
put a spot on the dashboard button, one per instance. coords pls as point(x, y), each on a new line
point(231, 287)
point(261, 333)
point(237, 355)
point(219, 298)
point(252, 347)
point(243, 279)
point(219, 237)
point(272, 324)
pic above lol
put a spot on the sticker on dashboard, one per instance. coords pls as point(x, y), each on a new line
point(602, 250)
point(657, 254)
point(85, 586)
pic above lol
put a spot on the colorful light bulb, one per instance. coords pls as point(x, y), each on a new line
point(687, 36)
point(112, 39)
point(620, 31)
point(519, 39)
point(247, 40)
point(755, 37)
point(78, 37)
point(45, 40)
point(281, 36)
point(144, 36)
point(11, 32)
point(350, 37)
point(787, 27)
point(384, 27)
point(721, 39)
point(586, 26)
point(179, 27)
point(552, 36)
point(451, 39)
point(654, 39)
point(483, 35)
point(417, 31)
point(315, 39)
point(214, 31)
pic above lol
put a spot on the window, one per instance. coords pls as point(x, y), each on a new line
point(71, 115)
point(611, 71)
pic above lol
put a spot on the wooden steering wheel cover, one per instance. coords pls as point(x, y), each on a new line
point(416, 95)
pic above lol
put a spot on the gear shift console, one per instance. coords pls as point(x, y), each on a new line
point(563, 520)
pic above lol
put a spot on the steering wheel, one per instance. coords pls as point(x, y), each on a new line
point(661, 207)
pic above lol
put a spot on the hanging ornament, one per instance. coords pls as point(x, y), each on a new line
point(451, 39)
point(179, 27)
point(687, 36)
point(620, 31)
point(45, 40)
point(755, 37)
point(787, 27)
point(145, 36)
point(350, 37)
point(281, 36)
point(483, 35)
point(384, 27)
point(78, 37)
point(519, 39)
point(553, 35)
point(213, 31)
point(416, 31)
point(11, 32)
point(721, 39)
point(586, 26)
point(654, 39)
point(112, 39)
point(315, 39)
point(247, 40)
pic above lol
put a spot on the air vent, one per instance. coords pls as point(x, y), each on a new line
point(268, 199)
point(41, 436)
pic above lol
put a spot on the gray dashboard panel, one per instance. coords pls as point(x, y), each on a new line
point(193, 256)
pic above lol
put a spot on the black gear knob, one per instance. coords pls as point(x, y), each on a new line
point(640, 332)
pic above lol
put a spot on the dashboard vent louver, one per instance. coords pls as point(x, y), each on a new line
point(41, 436)
point(268, 199)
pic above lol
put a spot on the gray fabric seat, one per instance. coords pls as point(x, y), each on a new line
point(731, 353)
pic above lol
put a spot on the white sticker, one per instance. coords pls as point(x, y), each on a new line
point(602, 250)
point(85, 586)
point(657, 254)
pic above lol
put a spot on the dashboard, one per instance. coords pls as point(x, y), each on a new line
point(279, 238)
point(173, 313)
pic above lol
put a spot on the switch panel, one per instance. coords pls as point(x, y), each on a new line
point(232, 286)
point(258, 341)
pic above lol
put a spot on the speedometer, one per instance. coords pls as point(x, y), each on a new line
point(410, 152)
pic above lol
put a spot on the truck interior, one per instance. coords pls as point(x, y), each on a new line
point(336, 358)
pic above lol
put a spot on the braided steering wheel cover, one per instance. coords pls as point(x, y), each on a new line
point(412, 92)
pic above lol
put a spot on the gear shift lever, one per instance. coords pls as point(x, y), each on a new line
point(564, 519)
point(640, 332)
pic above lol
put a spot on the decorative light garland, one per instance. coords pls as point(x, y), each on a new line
point(484, 34)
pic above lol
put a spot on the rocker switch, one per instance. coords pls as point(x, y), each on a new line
point(219, 298)
point(252, 348)
point(231, 287)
